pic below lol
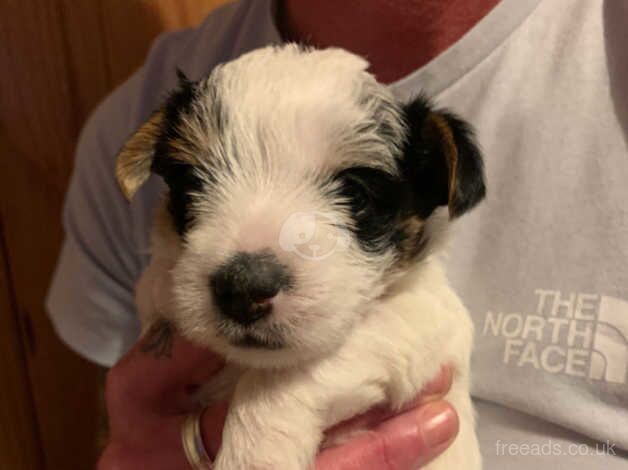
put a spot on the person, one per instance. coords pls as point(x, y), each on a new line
point(542, 264)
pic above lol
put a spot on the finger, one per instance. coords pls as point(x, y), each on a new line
point(145, 381)
point(160, 446)
point(116, 457)
point(436, 389)
point(405, 442)
point(212, 422)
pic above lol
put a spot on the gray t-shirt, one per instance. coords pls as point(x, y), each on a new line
point(542, 264)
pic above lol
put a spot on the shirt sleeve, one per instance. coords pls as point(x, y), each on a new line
point(90, 300)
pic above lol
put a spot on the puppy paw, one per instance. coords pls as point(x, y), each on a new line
point(158, 339)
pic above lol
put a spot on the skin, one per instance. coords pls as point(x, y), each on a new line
point(148, 398)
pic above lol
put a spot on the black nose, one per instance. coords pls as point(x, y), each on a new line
point(245, 285)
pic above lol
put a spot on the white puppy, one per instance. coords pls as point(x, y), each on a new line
point(299, 238)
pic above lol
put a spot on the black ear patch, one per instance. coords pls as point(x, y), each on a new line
point(441, 160)
point(178, 174)
point(157, 147)
point(182, 182)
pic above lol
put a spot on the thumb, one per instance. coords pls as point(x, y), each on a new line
point(406, 442)
point(139, 380)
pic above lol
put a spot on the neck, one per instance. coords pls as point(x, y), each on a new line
point(396, 36)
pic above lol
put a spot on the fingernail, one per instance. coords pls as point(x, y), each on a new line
point(440, 385)
point(433, 391)
point(439, 423)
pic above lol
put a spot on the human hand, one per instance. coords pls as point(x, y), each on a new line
point(148, 398)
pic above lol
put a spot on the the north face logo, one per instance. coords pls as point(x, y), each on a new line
point(581, 335)
point(609, 358)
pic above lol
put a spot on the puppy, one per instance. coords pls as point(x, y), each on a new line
point(300, 238)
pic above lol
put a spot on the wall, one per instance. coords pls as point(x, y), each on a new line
point(58, 58)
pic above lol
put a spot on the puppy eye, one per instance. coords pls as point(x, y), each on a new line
point(366, 189)
point(374, 198)
point(368, 183)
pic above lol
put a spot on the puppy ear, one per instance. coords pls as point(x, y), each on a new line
point(441, 160)
point(134, 162)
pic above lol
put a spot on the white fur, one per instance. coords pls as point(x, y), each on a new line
point(277, 417)
point(355, 334)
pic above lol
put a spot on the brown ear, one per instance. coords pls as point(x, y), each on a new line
point(442, 160)
point(437, 128)
point(133, 164)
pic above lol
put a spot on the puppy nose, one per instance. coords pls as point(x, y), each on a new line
point(245, 285)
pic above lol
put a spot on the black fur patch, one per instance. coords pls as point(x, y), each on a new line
point(470, 187)
point(178, 175)
point(390, 211)
point(377, 201)
point(424, 162)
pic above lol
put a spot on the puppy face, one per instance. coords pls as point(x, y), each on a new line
point(299, 190)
